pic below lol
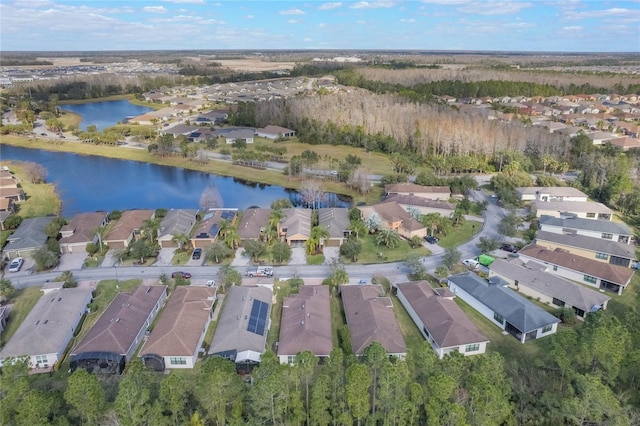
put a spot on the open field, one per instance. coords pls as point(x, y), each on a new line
point(255, 65)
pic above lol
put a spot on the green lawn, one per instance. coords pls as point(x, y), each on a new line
point(41, 199)
point(315, 259)
point(630, 298)
point(370, 250)
point(460, 234)
point(412, 335)
point(22, 303)
point(337, 319)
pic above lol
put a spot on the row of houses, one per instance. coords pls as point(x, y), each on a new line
point(203, 228)
point(11, 193)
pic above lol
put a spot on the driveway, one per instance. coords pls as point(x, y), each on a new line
point(298, 256)
point(109, 260)
point(330, 253)
point(240, 259)
point(165, 256)
point(72, 261)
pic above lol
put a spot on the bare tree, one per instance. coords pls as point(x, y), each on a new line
point(210, 198)
point(312, 193)
point(359, 180)
point(36, 173)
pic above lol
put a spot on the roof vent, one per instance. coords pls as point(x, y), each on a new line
point(302, 322)
point(117, 319)
point(46, 321)
point(148, 289)
point(59, 299)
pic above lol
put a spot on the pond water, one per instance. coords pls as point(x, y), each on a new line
point(105, 114)
point(90, 183)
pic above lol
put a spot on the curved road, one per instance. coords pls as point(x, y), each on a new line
point(395, 271)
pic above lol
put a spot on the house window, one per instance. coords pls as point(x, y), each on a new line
point(607, 236)
point(602, 256)
point(590, 279)
point(591, 215)
point(291, 359)
point(498, 318)
point(426, 332)
point(472, 348)
point(579, 312)
point(178, 360)
point(547, 328)
point(555, 268)
point(558, 302)
point(42, 359)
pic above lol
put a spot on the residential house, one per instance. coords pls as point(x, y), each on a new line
point(179, 130)
point(206, 232)
point(48, 328)
point(202, 134)
point(600, 249)
point(430, 192)
point(440, 320)
point(587, 210)
point(552, 193)
point(504, 307)
point(370, 318)
point(7, 205)
point(254, 224)
point(603, 276)
point(600, 138)
point(422, 205)
point(234, 134)
point(336, 221)
point(15, 194)
point(295, 227)
point(3, 218)
point(176, 222)
point(176, 338)
point(82, 230)
point(393, 216)
point(116, 335)
point(127, 228)
point(548, 288)
point(28, 237)
point(241, 332)
point(626, 143)
point(275, 132)
point(305, 324)
point(605, 229)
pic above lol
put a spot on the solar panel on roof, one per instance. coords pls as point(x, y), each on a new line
point(214, 229)
point(227, 214)
point(208, 216)
point(258, 318)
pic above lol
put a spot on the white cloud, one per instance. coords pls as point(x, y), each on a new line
point(294, 21)
point(321, 25)
point(307, 39)
point(446, 2)
point(185, 1)
point(494, 7)
point(372, 4)
point(249, 16)
point(520, 25)
point(291, 12)
point(408, 21)
point(604, 13)
point(361, 22)
point(328, 6)
point(155, 9)
point(572, 28)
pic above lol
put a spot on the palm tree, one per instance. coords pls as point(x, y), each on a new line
point(216, 252)
point(318, 234)
point(358, 227)
point(232, 238)
point(388, 238)
point(181, 240)
point(150, 228)
point(223, 227)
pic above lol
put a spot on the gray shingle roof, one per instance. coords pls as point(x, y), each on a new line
point(47, 325)
point(30, 234)
point(515, 309)
point(549, 284)
point(231, 330)
point(336, 220)
point(606, 226)
point(588, 243)
point(177, 221)
point(253, 220)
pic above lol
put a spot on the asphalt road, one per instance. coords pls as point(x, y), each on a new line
point(395, 271)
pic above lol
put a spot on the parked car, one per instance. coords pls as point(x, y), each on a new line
point(431, 239)
point(362, 281)
point(180, 274)
point(196, 254)
point(16, 264)
point(471, 263)
point(509, 247)
point(210, 283)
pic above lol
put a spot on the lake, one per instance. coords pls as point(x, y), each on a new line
point(105, 114)
point(90, 183)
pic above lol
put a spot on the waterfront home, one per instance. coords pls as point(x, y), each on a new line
point(336, 221)
point(430, 192)
point(127, 228)
point(28, 237)
point(176, 222)
point(81, 230)
point(206, 232)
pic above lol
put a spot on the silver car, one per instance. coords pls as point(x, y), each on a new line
point(16, 264)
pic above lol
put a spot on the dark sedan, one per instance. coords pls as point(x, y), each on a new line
point(180, 274)
point(509, 247)
point(431, 239)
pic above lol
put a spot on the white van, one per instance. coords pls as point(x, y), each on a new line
point(471, 263)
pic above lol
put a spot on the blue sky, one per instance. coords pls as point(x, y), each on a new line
point(507, 25)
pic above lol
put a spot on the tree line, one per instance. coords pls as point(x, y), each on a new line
point(585, 375)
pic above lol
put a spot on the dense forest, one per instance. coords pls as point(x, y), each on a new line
point(579, 376)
